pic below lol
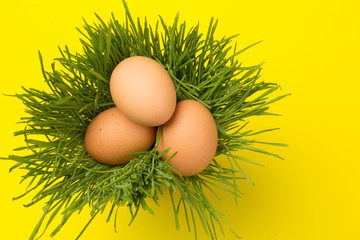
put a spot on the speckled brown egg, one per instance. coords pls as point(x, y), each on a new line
point(111, 137)
point(192, 133)
point(143, 90)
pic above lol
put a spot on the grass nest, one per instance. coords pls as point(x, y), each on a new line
point(61, 174)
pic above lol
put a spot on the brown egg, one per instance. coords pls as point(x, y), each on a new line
point(143, 90)
point(192, 133)
point(111, 137)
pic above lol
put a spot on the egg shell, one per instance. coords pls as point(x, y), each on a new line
point(111, 137)
point(192, 133)
point(143, 90)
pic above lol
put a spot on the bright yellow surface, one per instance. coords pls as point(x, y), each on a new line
point(311, 48)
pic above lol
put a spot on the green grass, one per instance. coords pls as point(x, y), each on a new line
point(62, 176)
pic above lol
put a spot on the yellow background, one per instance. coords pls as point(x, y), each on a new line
point(311, 48)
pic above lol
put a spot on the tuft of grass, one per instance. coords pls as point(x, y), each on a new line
point(61, 173)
